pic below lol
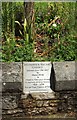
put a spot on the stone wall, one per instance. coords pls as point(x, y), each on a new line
point(63, 102)
point(17, 104)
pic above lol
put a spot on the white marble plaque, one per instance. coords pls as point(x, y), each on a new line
point(36, 77)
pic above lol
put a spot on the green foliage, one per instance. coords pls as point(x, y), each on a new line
point(54, 21)
point(25, 35)
point(8, 10)
point(57, 23)
point(65, 51)
point(16, 50)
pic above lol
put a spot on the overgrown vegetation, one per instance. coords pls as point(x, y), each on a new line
point(54, 29)
point(55, 25)
point(16, 45)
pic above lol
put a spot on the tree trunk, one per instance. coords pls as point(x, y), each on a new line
point(28, 6)
point(76, 16)
point(0, 20)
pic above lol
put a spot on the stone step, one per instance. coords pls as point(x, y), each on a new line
point(37, 118)
point(58, 116)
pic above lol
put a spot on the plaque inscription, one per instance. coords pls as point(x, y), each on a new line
point(36, 77)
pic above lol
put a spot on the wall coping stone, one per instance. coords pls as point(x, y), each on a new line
point(64, 76)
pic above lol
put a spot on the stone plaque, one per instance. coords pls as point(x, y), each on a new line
point(36, 77)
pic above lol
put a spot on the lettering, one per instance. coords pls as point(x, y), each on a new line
point(36, 76)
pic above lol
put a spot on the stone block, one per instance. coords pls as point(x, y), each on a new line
point(11, 76)
point(12, 72)
point(0, 87)
point(40, 96)
point(14, 112)
point(76, 74)
point(0, 72)
point(46, 103)
point(0, 77)
point(26, 103)
point(39, 103)
point(12, 87)
point(64, 76)
point(9, 102)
